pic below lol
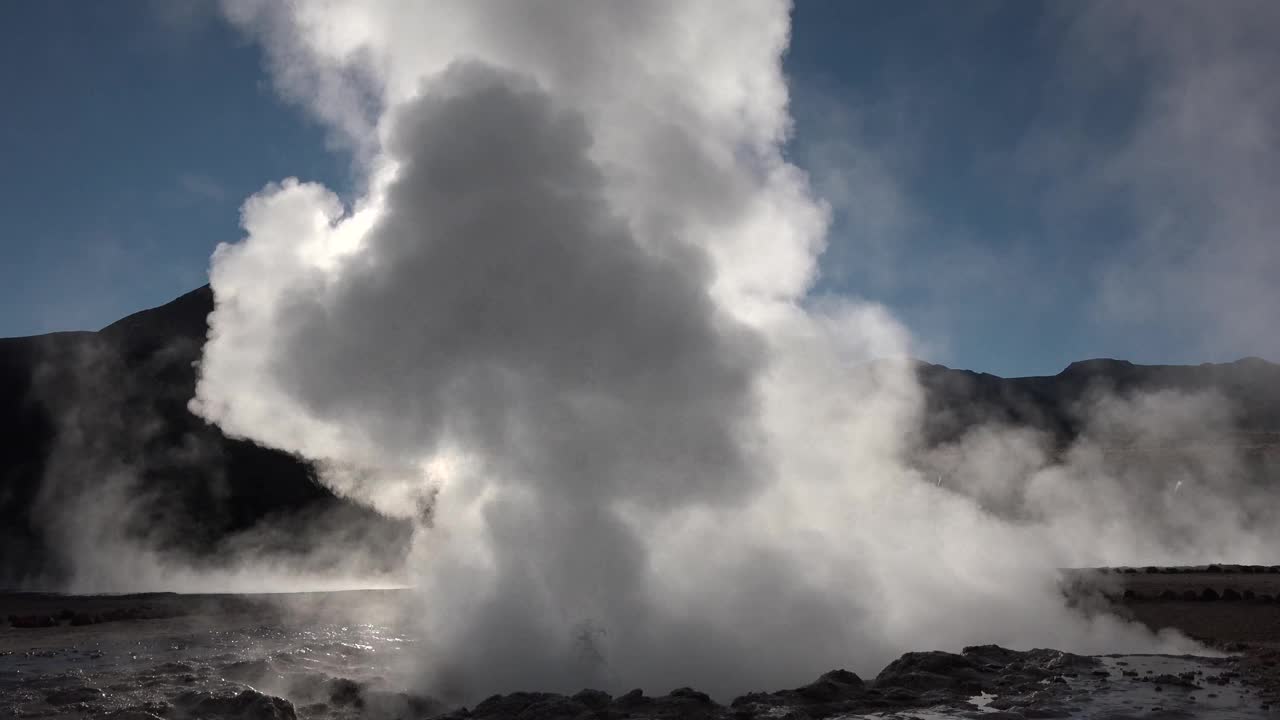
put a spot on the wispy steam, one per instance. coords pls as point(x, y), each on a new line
point(1194, 171)
point(567, 325)
point(134, 494)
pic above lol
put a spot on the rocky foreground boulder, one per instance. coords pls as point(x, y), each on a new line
point(1025, 684)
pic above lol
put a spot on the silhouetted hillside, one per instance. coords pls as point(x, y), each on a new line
point(96, 443)
point(957, 400)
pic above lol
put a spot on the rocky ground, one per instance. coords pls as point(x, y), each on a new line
point(943, 683)
point(182, 657)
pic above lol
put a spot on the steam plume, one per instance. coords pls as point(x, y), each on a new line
point(567, 322)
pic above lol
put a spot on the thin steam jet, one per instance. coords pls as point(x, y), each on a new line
point(568, 321)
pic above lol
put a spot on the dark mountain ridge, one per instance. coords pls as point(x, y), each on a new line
point(1059, 405)
point(89, 418)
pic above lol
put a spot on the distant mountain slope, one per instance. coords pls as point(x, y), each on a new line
point(957, 400)
point(97, 444)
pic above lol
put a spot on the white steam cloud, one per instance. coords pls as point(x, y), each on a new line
point(567, 323)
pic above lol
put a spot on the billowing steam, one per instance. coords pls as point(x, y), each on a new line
point(566, 326)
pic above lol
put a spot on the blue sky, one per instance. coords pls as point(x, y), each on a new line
point(930, 98)
point(130, 137)
point(999, 170)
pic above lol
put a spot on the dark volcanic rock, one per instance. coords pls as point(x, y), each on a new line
point(689, 695)
point(914, 681)
point(247, 705)
point(594, 699)
point(343, 692)
point(680, 703)
point(834, 686)
point(684, 703)
point(933, 670)
point(632, 698)
point(832, 693)
point(528, 705)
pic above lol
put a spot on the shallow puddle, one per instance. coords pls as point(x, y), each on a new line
point(1129, 690)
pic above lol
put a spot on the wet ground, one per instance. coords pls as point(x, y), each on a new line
point(166, 655)
point(343, 655)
